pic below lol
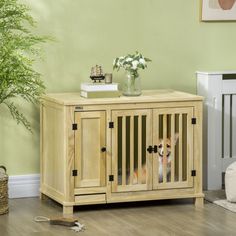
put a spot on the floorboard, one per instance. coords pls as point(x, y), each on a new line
point(174, 217)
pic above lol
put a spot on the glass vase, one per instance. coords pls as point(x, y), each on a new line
point(132, 85)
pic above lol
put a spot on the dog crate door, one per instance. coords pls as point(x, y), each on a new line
point(173, 136)
point(131, 163)
point(89, 149)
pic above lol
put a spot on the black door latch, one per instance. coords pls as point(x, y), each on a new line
point(151, 149)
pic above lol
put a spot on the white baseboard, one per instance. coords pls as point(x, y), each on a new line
point(20, 186)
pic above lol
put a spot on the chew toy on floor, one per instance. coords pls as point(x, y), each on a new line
point(69, 222)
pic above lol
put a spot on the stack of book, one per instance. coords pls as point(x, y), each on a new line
point(99, 90)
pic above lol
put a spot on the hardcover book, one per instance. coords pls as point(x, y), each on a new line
point(99, 94)
point(91, 87)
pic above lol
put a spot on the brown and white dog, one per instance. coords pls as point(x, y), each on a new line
point(168, 156)
point(161, 159)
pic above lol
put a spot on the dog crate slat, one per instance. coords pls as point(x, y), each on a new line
point(131, 149)
point(172, 147)
point(185, 146)
point(140, 149)
point(155, 171)
point(144, 145)
point(180, 147)
point(124, 150)
point(190, 143)
point(149, 157)
point(164, 163)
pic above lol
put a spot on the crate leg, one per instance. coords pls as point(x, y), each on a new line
point(199, 202)
point(42, 196)
point(67, 210)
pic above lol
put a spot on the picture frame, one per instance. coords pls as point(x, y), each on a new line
point(218, 10)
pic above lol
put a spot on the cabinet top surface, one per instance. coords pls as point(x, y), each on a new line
point(147, 96)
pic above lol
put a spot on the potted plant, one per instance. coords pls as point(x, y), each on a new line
point(18, 50)
point(131, 63)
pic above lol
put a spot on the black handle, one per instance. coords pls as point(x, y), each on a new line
point(103, 149)
point(149, 149)
point(4, 168)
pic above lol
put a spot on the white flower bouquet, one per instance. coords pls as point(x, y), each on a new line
point(131, 63)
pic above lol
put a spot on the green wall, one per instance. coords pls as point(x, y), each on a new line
point(90, 32)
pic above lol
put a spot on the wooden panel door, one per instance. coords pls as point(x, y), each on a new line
point(131, 163)
point(89, 149)
point(173, 136)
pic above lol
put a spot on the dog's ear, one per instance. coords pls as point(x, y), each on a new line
point(176, 137)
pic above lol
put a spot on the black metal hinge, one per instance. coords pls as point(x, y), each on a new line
point(74, 173)
point(194, 121)
point(111, 178)
point(74, 126)
point(193, 173)
point(111, 125)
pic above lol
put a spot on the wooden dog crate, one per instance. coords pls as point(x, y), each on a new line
point(121, 149)
point(219, 90)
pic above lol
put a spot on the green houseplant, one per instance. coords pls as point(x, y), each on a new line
point(18, 50)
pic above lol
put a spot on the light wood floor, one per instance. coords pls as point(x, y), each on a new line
point(151, 218)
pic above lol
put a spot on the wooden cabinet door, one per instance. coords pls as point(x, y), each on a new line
point(131, 163)
point(173, 136)
point(89, 141)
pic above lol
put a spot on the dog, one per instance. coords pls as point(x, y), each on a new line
point(160, 153)
point(161, 158)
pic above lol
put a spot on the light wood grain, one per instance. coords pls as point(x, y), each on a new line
point(180, 156)
point(156, 140)
point(149, 156)
point(131, 178)
point(172, 217)
point(147, 96)
point(198, 147)
point(124, 150)
point(114, 154)
point(172, 147)
point(69, 158)
point(108, 153)
point(143, 173)
point(141, 178)
point(53, 150)
point(136, 106)
point(190, 139)
point(64, 149)
point(164, 164)
point(89, 159)
point(90, 199)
